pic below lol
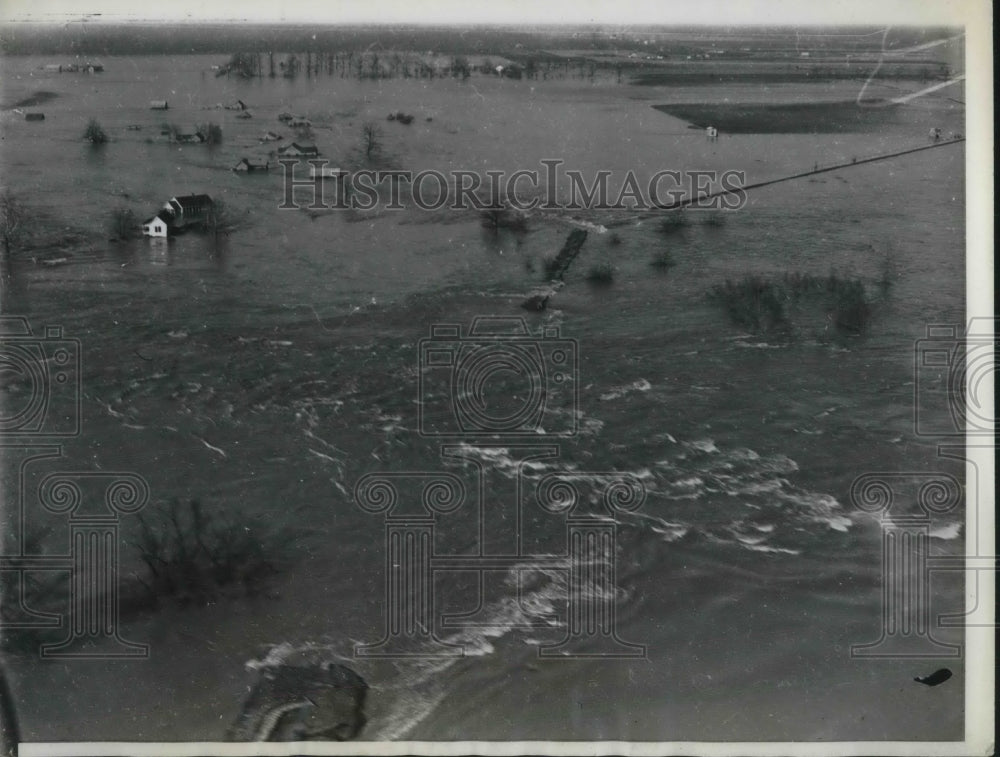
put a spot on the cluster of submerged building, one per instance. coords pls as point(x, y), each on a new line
point(82, 68)
point(178, 214)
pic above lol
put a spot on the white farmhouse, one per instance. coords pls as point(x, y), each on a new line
point(155, 226)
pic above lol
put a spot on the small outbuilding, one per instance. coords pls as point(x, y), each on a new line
point(295, 150)
point(158, 105)
point(249, 166)
point(34, 116)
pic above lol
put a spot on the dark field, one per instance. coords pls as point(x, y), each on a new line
point(788, 118)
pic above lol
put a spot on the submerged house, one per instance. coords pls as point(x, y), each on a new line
point(270, 136)
point(298, 122)
point(249, 166)
point(188, 136)
point(34, 116)
point(158, 105)
point(189, 209)
point(156, 226)
point(177, 214)
point(295, 150)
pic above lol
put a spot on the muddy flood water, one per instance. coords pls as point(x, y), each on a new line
point(265, 373)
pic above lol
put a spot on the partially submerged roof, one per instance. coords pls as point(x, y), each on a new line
point(193, 200)
point(300, 148)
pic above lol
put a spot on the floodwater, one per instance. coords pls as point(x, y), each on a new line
point(266, 373)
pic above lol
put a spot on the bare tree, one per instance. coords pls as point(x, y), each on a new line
point(122, 223)
point(371, 138)
point(220, 221)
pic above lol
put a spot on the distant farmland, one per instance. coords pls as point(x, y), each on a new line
point(786, 118)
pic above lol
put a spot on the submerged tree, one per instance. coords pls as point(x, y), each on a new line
point(371, 138)
point(460, 67)
point(211, 133)
point(219, 221)
point(122, 224)
point(94, 133)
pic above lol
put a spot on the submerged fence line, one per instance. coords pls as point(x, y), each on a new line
point(757, 185)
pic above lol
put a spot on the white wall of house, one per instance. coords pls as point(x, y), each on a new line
point(155, 228)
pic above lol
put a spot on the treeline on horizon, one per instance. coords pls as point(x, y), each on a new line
point(93, 38)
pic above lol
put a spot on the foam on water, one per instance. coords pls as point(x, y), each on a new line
point(641, 385)
point(408, 690)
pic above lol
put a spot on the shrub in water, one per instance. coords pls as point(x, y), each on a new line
point(504, 218)
point(601, 273)
point(122, 224)
point(94, 133)
point(673, 222)
point(192, 556)
point(752, 302)
point(761, 305)
point(850, 309)
point(663, 260)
